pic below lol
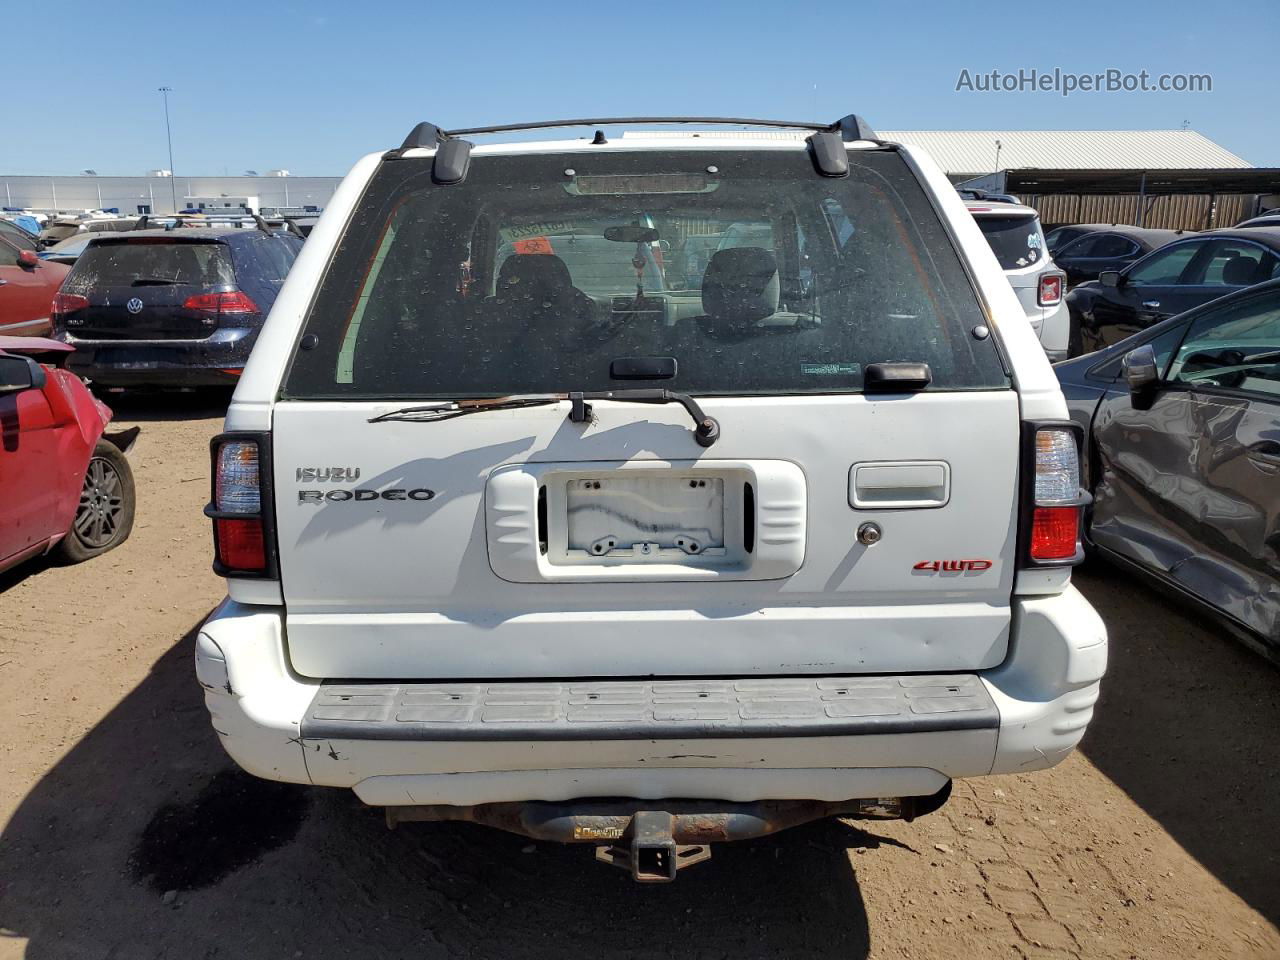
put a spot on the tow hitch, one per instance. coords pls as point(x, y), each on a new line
point(653, 845)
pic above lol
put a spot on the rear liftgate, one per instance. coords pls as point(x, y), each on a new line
point(653, 845)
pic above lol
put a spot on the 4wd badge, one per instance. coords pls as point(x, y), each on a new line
point(952, 566)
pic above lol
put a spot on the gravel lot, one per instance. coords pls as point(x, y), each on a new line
point(128, 834)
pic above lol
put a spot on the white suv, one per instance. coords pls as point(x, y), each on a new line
point(1014, 233)
point(660, 564)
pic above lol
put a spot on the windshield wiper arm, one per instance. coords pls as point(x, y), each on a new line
point(448, 410)
point(154, 282)
point(706, 430)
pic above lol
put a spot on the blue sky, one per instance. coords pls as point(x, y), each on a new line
point(311, 87)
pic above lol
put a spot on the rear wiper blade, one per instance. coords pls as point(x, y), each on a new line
point(706, 430)
point(449, 409)
point(154, 282)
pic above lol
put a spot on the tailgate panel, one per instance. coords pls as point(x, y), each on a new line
point(412, 559)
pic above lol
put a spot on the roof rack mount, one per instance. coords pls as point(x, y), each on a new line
point(851, 127)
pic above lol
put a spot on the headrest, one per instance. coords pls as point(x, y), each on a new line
point(533, 275)
point(741, 285)
point(1239, 271)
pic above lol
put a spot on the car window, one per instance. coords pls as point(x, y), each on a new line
point(1165, 266)
point(1016, 241)
point(1164, 344)
point(1236, 263)
point(1236, 347)
point(479, 289)
point(106, 263)
point(276, 254)
point(17, 236)
point(8, 254)
point(1111, 245)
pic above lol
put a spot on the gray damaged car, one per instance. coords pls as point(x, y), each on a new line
point(1182, 428)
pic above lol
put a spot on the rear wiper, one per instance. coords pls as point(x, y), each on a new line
point(706, 429)
point(449, 409)
point(153, 282)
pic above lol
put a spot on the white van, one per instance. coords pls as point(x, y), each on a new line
point(641, 567)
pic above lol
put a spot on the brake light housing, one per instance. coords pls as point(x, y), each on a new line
point(65, 304)
point(211, 306)
point(1049, 293)
point(242, 506)
point(1052, 496)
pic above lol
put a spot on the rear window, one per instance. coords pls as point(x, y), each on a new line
point(143, 261)
point(536, 272)
point(1016, 241)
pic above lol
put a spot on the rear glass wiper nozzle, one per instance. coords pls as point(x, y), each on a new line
point(706, 429)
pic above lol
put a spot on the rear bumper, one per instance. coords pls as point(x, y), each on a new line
point(188, 363)
point(829, 739)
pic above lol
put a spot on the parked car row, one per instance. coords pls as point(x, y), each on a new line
point(1176, 277)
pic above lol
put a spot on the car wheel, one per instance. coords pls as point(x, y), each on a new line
point(104, 515)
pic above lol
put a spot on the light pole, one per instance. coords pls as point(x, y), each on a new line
point(168, 133)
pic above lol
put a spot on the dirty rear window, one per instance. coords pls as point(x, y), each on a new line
point(757, 275)
point(152, 261)
point(1016, 241)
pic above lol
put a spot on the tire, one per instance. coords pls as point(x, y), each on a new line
point(104, 515)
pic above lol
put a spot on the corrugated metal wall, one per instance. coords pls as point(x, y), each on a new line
point(1172, 212)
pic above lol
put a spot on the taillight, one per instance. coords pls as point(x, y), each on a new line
point(1050, 293)
point(1053, 497)
point(64, 303)
point(235, 302)
point(241, 506)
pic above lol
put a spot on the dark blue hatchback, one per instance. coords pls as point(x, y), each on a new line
point(171, 308)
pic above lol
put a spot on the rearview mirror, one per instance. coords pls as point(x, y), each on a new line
point(1142, 374)
point(631, 234)
point(28, 258)
point(19, 373)
point(1109, 278)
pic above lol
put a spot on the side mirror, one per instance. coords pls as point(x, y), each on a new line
point(1142, 374)
point(19, 373)
point(1109, 278)
point(28, 258)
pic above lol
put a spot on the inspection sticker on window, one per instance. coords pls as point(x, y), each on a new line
point(831, 369)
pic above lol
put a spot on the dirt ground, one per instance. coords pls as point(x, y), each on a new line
point(128, 834)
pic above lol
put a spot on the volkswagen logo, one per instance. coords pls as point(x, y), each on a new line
point(134, 305)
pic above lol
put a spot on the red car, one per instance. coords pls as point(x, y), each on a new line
point(65, 485)
point(27, 284)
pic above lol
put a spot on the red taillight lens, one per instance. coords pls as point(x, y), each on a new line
point(1053, 533)
point(240, 544)
point(1050, 289)
point(221, 303)
point(68, 303)
point(240, 512)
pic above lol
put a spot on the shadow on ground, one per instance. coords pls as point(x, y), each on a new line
point(145, 406)
point(144, 841)
point(1187, 725)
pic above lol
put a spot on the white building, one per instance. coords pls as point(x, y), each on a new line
point(157, 194)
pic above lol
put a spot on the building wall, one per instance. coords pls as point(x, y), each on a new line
point(130, 193)
point(1170, 212)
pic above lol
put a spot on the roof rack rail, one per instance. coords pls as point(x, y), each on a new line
point(170, 220)
point(851, 127)
point(453, 154)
